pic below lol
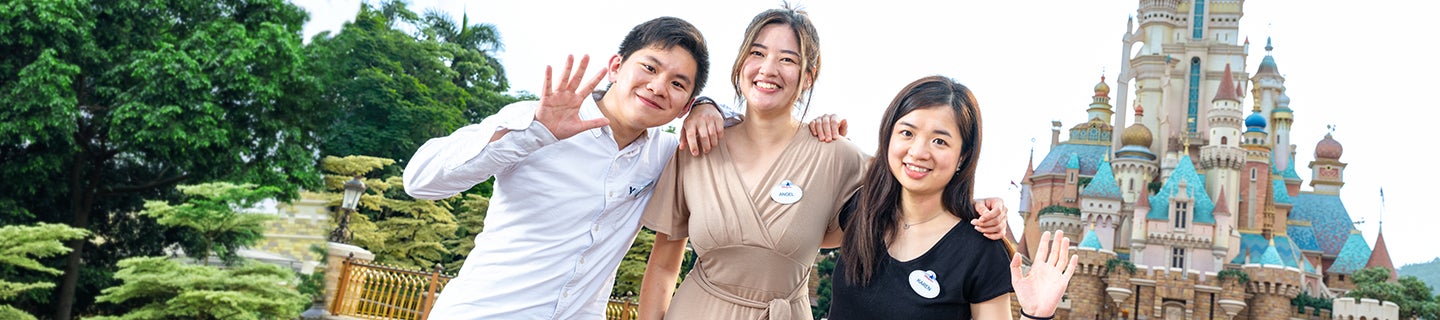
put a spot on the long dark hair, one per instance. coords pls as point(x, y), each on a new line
point(869, 227)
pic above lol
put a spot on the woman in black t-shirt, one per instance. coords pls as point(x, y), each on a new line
point(906, 254)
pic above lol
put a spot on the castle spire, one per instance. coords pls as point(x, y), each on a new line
point(1227, 88)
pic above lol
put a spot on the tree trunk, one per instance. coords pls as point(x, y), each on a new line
point(81, 198)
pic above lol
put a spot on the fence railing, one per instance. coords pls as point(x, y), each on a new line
point(373, 291)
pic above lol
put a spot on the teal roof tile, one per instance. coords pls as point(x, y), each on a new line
point(1328, 218)
point(1258, 247)
point(1195, 185)
point(1304, 237)
point(1059, 156)
point(1074, 162)
point(1103, 184)
point(1353, 257)
point(1281, 194)
point(1271, 257)
point(1091, 241)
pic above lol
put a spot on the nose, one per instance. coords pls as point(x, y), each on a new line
point(919, 150)
point(768, 65)
point(656, 86)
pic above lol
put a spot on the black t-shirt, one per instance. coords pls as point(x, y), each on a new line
point(967, 267)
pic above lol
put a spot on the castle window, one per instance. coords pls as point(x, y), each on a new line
point(1177, 257)
point(1252, 174)
point(1198, 29)
point(1193, 104)
point(1224, 141)
point(1182, 213)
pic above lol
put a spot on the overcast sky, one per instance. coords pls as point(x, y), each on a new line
point(1357, 65)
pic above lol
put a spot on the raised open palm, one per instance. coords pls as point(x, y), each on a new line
point(560, 105)
point(1040, 290)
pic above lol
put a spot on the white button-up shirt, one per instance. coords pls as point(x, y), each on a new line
point(561, 218)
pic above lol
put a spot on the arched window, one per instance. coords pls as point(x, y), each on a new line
point(1224, 141)
point(1198, 27)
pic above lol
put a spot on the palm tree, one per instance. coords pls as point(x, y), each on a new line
point(483, 38)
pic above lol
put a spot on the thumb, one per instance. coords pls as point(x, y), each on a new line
point(844, 128)
point(1015, 269)
point(593, 123)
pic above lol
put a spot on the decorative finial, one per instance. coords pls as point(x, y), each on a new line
point(1268, 47)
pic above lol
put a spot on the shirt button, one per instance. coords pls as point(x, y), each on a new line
point(582, 260)
point(596, 228)
point(565, 294)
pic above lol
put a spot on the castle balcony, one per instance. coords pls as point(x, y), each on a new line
point(1225, 157)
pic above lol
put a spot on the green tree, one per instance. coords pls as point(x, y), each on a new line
point(111, 102)
point(400, 230)
point(210, 220)
point(394, 89)
point(470, 216)
point(160, 288)
point(19, 247)
point(1412, 295)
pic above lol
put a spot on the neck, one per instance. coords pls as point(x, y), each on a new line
point(768, 127)
point(623, 132)
point(917, 208)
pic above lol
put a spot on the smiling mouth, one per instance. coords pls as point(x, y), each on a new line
point(766, 85)
point(917, 169)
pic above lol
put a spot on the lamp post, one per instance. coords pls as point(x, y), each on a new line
point(353, 189)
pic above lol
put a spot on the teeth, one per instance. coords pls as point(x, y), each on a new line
point(916, 169)
point(766, 85)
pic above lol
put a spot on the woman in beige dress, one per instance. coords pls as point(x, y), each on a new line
point(758, 208)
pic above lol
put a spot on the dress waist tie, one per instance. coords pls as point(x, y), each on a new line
point(775, 309)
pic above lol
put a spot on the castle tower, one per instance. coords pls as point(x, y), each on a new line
point(1100, 206)
point(1327, 172)
point(1186, 45)
point(1027, 199)
point(1134, 164)
point(1269, 88)
point(1273, 286)
point(1380, 256)
point(1222, 158)
point(1255, 185)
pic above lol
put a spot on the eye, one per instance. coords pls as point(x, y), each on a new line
point(939, 141)
point(906, 133)
point(756, 53)
point(648, 68)
point(787, 60)
point(677, 84)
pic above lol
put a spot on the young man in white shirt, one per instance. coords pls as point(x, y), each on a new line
point(572, 175)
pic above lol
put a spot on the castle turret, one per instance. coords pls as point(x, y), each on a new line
point(1134, 164)
point(1223, 158)
point(1255, 183)
point(1327, 172)
point(1273, 285)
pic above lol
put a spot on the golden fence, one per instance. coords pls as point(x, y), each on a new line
point(373, 291)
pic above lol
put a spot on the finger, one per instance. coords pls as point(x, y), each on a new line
point(579, 74)
point(1059, 242)
point(844, 127)
point(590, 86)
point(714, 137)
point(1043, 250)
point(565, 75)
point(682, 145)
point(1015, 269)
point(545, 88)
point(593, 123)
point(694, 141)
point(815, 129)
point(705, 141)
point(1070, 269)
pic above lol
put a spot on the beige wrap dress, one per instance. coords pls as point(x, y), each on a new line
point(755, 252)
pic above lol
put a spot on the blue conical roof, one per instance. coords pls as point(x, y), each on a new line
point(1103, 185)
point(1195, 185)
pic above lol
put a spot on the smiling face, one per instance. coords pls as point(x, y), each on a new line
point(652, 87)
point(771, 74)
point(925, 149)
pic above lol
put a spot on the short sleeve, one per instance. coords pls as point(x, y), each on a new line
point(990, 276)
point(666, 212)
point(850, 166)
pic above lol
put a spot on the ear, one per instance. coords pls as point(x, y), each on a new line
point(612, 69)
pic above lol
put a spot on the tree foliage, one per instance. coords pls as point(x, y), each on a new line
point(165, 289)
point(1412, 295)
point(400, 230)
point(210, 219)
point(111, 102)
point(395, 89)
point(20, 246)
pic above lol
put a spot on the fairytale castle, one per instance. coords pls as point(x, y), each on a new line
point(1194, 210)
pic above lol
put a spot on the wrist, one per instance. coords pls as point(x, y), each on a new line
point(703, 100)
point(1032, 315)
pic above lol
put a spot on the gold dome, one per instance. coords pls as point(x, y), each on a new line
point(1137, 135)
point(1102, 89)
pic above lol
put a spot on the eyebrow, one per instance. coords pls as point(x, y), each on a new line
point(781, 50)
point(936, 131)
point(659, 64)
